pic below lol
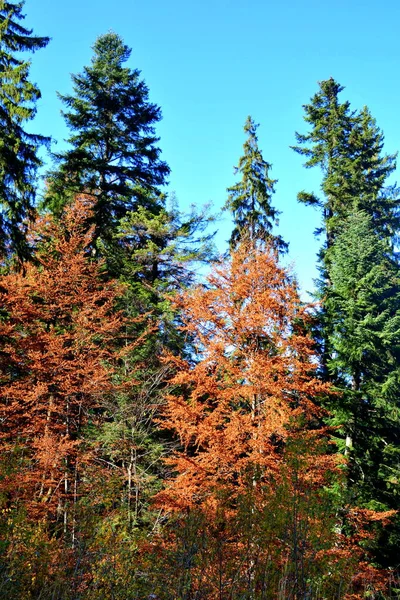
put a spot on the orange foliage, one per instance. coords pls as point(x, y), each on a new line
point(57, 352)
point(254, 381)
point(253, 464)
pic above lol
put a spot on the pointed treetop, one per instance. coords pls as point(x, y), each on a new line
point(330, 120)
point(347, 146)
point(14, 36)
point(114, 151)
point(249, 200)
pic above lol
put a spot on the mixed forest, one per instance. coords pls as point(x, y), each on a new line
point(171, 436)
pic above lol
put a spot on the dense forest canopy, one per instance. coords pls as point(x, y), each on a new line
point(183, 433)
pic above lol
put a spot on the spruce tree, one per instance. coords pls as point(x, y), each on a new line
point(364, 302)
point(358, 291)
point(368, 173)
point(249, 199)
point(326, 146)
point(347, 147)
point(114, 153)
point(19, 160)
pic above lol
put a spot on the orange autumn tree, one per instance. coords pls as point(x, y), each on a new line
point(58, 332)
point(251, 498)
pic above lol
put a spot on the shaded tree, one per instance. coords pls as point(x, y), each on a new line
point(19, 158)
point(365, 304)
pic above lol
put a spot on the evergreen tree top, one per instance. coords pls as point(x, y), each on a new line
point(110, 50)
point(249, 199)
point(347, 146)
point(330, 122)
point(114, 153)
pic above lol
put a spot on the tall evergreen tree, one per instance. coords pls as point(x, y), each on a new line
point(19, 160)
point(325, 146)
point(114, 156)
point(359, 290)
point(368, 174)
point(249, 199)
point(347, 147)
point(114, 153)
point(364, 302)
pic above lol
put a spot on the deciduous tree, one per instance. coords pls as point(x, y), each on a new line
point(58, 337)
point(249, 481)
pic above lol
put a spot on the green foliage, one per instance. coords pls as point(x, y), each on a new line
point(249, 200)
point(110, 547)
point(358, 323)
point(368, 171)
point(33, 563)
point(114, 153)
point(152, 249)
point(155, 256)
point(18, 149)
point(347, 147)
point(161, 249)
point(364, 303)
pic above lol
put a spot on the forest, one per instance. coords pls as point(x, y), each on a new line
point(176, 424)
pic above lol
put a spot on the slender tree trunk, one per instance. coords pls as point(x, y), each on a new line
point(46, 430)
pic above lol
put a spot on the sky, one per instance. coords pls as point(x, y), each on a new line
point(210, 64)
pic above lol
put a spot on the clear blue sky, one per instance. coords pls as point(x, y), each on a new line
point(210, 63)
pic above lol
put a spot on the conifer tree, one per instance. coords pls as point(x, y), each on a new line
point(19, 160)
point(249, 199)
point(368, 174)
point(326, 146)
point(155, 256)
point(365, 306)
point(358, 291)
point(347, 147)
point(158, 255)
point(114, 153)
point(114, 156)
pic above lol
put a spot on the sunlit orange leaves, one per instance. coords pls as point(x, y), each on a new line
point(253, 381)
point(248, 494)
point(58, 332)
